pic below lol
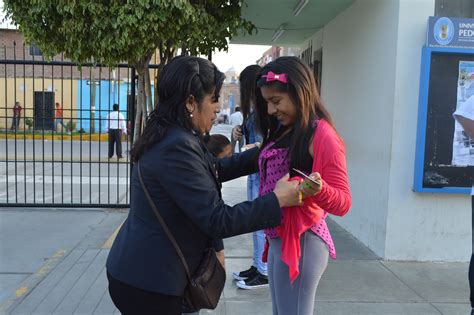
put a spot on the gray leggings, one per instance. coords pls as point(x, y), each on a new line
point(297, 298)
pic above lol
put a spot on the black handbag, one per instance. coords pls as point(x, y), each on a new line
point(205, 287)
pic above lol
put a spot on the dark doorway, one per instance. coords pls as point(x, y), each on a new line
point(44, 111)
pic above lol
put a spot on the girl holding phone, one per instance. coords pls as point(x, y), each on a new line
point(298, 133)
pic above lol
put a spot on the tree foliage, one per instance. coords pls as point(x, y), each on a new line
point(113, 31)
point(103, 31)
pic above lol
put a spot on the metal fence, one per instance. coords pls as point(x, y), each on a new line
point(54, 142)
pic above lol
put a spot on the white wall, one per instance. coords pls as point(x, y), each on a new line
point(419, 226)
point(358, 80)
point(370, 83)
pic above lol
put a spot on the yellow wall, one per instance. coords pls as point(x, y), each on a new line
point(23, 92)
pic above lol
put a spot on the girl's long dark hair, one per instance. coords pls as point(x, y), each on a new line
point(248, 86)
point(301, 88)
point(182, 77)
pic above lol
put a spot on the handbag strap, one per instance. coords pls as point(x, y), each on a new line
point(163, 224)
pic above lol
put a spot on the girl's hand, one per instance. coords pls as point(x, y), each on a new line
point(308, 188)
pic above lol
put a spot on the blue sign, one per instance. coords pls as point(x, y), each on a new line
point(450, 32)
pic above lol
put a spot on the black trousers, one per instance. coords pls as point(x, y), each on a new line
point(115, 138)
point(471, 264)
point(131, 300)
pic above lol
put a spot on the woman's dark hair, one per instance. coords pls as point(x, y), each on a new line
point(301, 88)
point(248, 86)
point(216, 144)
point(182, 78)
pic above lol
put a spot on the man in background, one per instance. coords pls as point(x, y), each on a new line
point(16, 116)
point(236, 119)
point(115, 127)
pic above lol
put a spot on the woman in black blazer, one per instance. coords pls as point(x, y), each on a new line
point(145, 274)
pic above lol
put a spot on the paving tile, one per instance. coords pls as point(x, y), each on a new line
point(435, 282)
point(453, 309)
point(362, 281)
point(356, 308)
point(233, 293)
point(41, 291)
point(91, 300)
point(239, 246)
point(347, 246)
point(63, 287)
point(9, 283)
point(105, 306)
point(80, 288)
point(248, 307)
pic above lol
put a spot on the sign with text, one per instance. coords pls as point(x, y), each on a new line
point(450, 32)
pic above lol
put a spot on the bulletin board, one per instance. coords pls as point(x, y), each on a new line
point(444, 153)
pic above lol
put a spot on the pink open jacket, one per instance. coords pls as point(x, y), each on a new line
point(335, 198)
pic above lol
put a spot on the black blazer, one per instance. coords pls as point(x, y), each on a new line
point(185, 184)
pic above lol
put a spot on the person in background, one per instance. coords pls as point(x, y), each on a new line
point(16, 116)
point(144, 271)
point(236, 119)
point(218, 145)
point(257, 275)
point(58, 117)
point(465, 117)
point(115, 127)
point(299, 137)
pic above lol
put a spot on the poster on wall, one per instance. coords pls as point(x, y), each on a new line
point(463, 139)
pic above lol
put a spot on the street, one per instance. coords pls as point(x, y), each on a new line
point(65, 172)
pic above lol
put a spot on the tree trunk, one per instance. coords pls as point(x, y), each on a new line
point(144, 94)
point(141, 108)
point(149, 99)
point(183, 49)
point(167, 52)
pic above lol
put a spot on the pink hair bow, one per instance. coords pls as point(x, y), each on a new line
point(271, 76)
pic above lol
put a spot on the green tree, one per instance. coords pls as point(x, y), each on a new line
point(112, 31)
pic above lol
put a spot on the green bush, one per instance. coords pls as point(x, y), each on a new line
point(29, 122)
point(71, 126)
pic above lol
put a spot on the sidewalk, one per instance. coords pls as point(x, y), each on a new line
point(356, 283)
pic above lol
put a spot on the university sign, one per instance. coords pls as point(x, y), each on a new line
point(450, 32)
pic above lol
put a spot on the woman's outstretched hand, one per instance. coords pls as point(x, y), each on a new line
point(287, 192)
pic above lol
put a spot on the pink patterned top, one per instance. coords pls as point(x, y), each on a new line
point(275, 163)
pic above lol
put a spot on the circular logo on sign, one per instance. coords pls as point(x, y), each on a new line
point(443, 31)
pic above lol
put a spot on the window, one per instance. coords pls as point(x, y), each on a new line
point(35, 51)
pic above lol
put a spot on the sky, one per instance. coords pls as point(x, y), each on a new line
point(238, 56)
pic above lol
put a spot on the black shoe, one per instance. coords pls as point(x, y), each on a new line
point(243, 275)
point(259, 281)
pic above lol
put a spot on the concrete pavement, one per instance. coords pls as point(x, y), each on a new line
point(358, 282)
